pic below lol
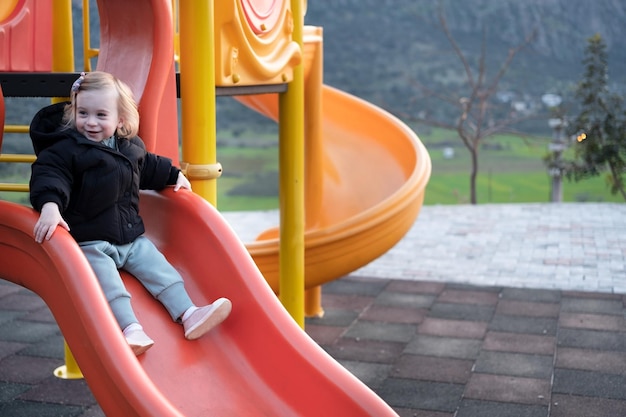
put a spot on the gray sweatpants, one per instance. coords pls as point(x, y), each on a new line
point(144, 261)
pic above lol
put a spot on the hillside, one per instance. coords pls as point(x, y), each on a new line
point(374, 48)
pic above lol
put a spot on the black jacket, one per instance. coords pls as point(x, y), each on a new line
point(95, 187)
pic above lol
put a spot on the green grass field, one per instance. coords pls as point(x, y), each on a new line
point(510, 171)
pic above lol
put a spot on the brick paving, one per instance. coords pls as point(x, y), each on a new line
point(486, 311)
point(450, 349)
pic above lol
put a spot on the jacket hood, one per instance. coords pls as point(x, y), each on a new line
point(47, 127)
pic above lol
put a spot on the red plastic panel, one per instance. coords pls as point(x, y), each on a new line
point(26, 37)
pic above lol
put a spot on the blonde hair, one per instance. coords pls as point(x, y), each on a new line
point(127, 106)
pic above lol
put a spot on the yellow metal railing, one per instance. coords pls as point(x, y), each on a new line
point(88, 51)
point(16, 129)
point(15, 158)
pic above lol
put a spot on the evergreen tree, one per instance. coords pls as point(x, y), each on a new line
point(600, 127)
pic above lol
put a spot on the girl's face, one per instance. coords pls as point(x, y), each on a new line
point(97, 116)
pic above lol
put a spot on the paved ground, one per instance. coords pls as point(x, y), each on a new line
point(480, 311)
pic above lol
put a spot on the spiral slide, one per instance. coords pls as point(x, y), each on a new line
point(366, 174)
point(257, 363)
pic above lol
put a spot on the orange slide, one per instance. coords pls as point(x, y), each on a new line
point(257, 363)
point(366, 174)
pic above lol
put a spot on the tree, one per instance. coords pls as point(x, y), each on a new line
point(600, 127)
point(480, 116)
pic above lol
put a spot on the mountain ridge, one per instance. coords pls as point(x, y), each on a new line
point(374, 48)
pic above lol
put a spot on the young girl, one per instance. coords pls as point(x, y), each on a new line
point(90, 167)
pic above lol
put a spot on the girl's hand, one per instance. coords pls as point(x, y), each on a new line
point(49, 219)
point(182, 182)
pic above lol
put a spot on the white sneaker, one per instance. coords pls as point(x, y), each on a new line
point(137, 339)
point(205, 318)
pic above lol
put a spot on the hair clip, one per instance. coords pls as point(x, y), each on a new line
point(78, 82)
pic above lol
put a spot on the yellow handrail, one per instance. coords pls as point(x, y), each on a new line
point(17, 157)
point(6, 186)
point(16, 129)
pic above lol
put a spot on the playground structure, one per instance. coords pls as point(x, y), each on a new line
point(358, 172)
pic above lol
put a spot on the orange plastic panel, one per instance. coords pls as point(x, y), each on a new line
point(371, 175)
point(253, 42)
point(7, 7)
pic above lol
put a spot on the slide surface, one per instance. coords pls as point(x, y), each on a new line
point(369, 172)
point(257, 363)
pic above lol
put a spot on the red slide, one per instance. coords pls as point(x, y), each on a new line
point(257, 363)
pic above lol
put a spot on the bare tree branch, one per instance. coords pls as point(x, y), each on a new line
point(476, 120)
point(507, 62)
point(444, 26)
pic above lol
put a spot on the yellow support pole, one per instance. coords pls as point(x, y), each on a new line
point(70, 370)
point(291, 168)
point(63, 61)
point(62, 36)
point(197, 91)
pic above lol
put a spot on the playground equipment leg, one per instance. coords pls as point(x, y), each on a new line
point(70, 370)
point(63, 61)
point(313, 302)
point(314, 156)
point(198, 110)
point(291, 168)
